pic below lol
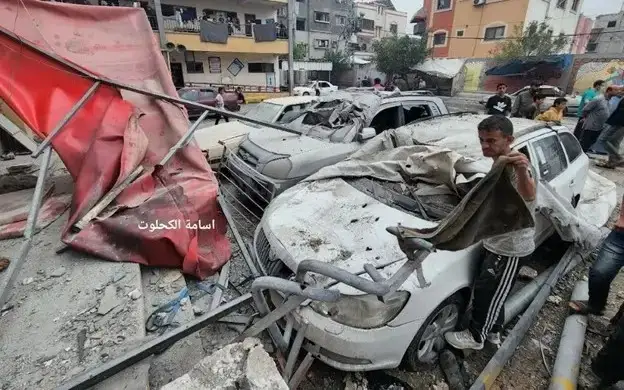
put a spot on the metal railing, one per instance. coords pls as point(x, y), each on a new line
point(193, 26)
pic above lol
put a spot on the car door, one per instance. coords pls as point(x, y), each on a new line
point(324, 87)
point(550, 162)
point(578, 164)
point(207, 97)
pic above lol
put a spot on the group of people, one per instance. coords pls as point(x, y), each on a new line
point(220, 104)
point(527, 104)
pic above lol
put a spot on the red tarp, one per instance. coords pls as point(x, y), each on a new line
point(115, 132)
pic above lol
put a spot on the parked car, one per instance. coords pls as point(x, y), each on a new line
point(268, 161)
point(315, 88)
point(419, 92)
point(550, 93)
point(206, 96)
point(343, 221)
point(276, 110)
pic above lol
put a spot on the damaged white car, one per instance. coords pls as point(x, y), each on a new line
point(268, 161)
point(339, 216)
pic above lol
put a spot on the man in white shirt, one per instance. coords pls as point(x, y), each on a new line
point(220, 105)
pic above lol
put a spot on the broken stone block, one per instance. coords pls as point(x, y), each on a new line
point(109, 300)
point(245, 366)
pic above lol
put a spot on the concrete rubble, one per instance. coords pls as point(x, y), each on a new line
point(245, 366)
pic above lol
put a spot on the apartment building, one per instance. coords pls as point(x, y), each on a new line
point(378, 19)
point(607, 36)
point(320, 24)
point(473, 28)
point(223, 42)
point(582, 35)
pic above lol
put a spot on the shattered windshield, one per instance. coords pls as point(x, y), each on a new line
point(264, 111)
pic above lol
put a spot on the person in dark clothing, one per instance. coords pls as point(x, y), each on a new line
point(499, 104)
point(524, 100)
point(607, 364)
point(612, 137)
point(595, 114)
point(605, 268)
point(240, 96)
point(533, 111)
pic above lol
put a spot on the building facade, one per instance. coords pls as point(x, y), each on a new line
point(378, 19)
point(582, 34)
point(607, 36)
point(222, 42)
point(319, 24)
point(474, 28)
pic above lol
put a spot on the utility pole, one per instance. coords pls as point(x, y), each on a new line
point(291, 45)
point(161, 30)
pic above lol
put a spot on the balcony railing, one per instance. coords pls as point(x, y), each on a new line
point(193, 26)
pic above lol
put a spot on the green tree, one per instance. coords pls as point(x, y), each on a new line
point(536, 40)
point(339, 60)
point(398, 55)
point(300, 51)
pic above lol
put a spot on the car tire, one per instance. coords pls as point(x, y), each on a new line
point(306, 94)
point(423, 353)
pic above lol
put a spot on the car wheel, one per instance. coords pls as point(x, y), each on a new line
point(429, 341)
point(306, 94)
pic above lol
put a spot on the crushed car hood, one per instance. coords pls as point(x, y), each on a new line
point(283, 143)
point(333, 222)
point(208, 137)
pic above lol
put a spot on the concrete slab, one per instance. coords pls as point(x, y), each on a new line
point(53, 330)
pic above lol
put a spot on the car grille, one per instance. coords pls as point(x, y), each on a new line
point(268, 261)
point(247, 157)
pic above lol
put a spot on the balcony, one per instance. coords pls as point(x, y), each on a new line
point(240, 38)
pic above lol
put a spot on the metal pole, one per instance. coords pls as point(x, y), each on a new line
point(186, 138)
point(31, 222)
point(291, 46)
point(566, 368)
point(56, 131)
point(106, 370)
point(131, 88)
point(161, 25)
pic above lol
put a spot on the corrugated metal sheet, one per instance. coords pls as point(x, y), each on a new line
point(301, 65)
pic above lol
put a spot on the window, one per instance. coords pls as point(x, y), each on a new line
point(323, 84)
point(378, 31)
point(190, 94)
point(300, 25)
point(261, 67)
point(368, 24)
point(341, 20)
point(394, 28)
point(561, 4)
point(575, 5)
point(282, 12)
point(207, 94)
point(321, 43)
point(412, 112)
point(591, 47)
point(321, 17)
point(443, 5)
point(439, 39)
point(550, 157)
point(192, 65)
point(571, 145)
point(379, 9)
point(300, 1)
point(334, 44)
point(386, 119)
point(494, 33)
point(420, 28)
point(611, 23)
point(460, 33)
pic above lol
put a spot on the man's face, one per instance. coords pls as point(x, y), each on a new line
point(501, 89)
point(494, 143)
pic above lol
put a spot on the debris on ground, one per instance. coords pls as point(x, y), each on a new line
point(555, 299)
point(245, 365)
point(109, 300)
point(355, 381)
point(4, 263)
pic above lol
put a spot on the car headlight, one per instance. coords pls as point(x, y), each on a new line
point(362, 311)
point(278, 168)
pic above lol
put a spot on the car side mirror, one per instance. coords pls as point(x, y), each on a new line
point(367, 133)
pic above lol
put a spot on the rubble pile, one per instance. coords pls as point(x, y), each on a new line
point(245, 366)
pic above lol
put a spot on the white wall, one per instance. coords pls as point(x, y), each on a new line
point(225, 77)
point(561, 20)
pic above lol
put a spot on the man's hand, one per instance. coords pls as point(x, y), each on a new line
point(517, 159)
point(525, 184)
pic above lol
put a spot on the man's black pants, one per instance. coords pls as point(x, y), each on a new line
point(219, 116)
point(607, 365)
point(493, 284)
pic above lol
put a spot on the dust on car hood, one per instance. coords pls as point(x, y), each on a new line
point(283, 143)
point(333, 222)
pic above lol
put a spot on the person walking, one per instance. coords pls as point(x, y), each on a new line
point(240, 96)
point(503, 253)
point(555, 112)
point(220, 104)
point(499, 104)
point(524, 100)
point(589, 95)
point(595, 115)
point(535, 109)
point(612, 137)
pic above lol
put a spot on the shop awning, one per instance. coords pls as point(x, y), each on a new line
point(446, 68)
point(521, 67)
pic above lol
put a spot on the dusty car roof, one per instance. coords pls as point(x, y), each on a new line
point(287, 100)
